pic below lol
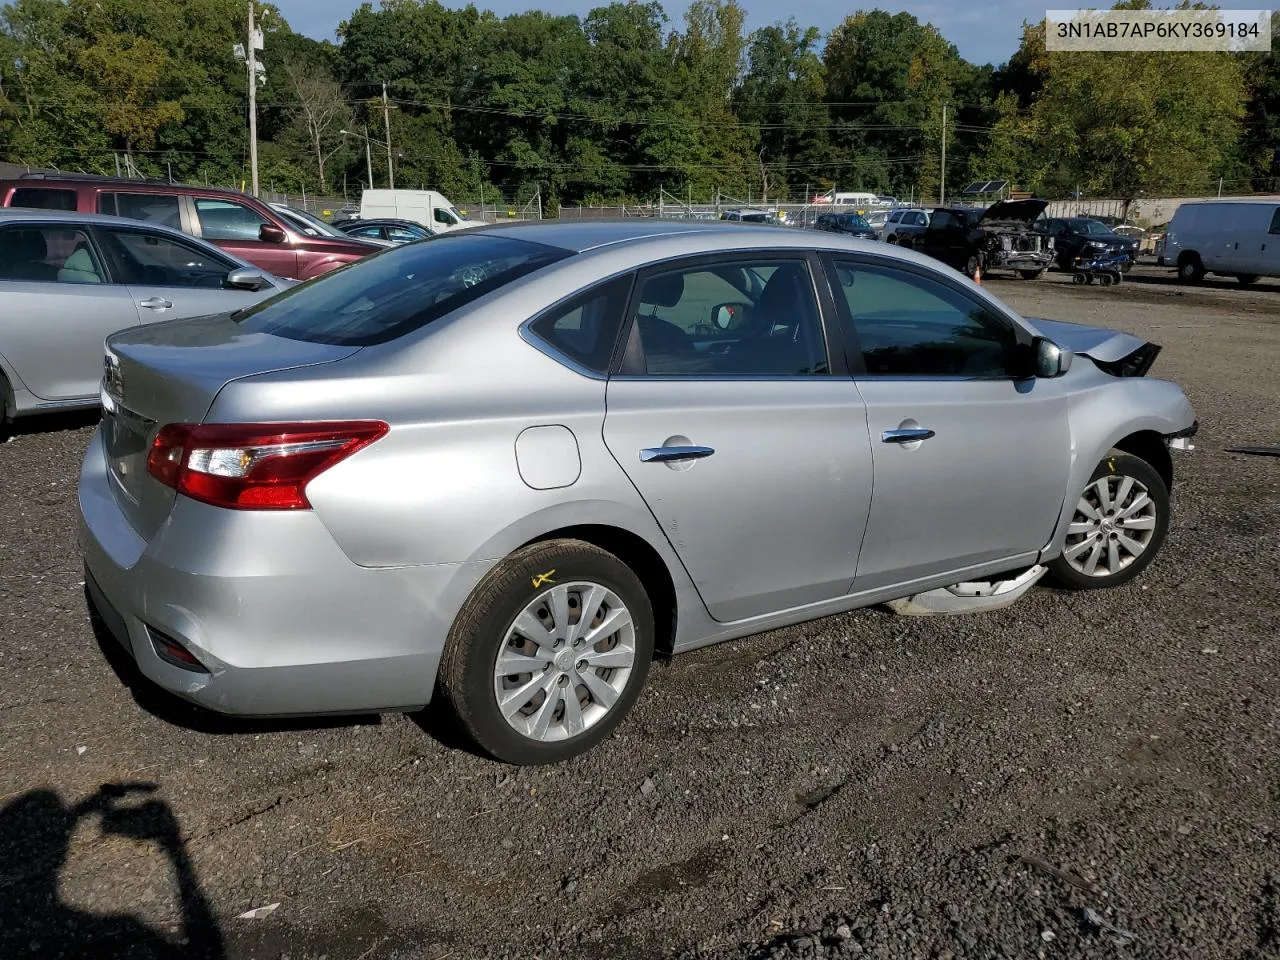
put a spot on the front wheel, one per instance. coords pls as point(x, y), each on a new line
point(1118, 526)
point(549, 654)
point(1247, 278)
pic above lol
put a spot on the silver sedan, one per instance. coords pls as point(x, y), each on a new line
point(69, 280)
point(505, 465)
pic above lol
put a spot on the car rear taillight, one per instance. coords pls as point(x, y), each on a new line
point(254, 466)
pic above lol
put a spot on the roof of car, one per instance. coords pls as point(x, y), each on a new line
point(125, 184)
point(583, 235)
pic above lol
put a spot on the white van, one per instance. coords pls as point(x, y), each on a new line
point(1230, 238)
point(430, 208)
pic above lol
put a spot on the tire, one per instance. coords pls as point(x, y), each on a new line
point(971, 266)
point(1032, 274)
point(486, 628)
point(1247, 278)
point(1190, 269)
point(1106, 279)
point(1121, 472)
point(1079, 278)
point(893, 239)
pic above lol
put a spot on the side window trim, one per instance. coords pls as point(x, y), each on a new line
point(857, 363)
point(629, 358)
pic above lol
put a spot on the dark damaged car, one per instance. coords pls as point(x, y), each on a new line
point(1008, 235)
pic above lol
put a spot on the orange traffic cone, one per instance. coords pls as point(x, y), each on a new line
point(977, 274)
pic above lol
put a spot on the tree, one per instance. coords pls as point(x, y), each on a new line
point(323, 112)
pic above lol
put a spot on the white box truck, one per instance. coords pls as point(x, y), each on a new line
point(1230, 238)
point(430, 208)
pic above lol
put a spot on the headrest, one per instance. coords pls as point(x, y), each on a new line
point(23, 246)
point(664, 290)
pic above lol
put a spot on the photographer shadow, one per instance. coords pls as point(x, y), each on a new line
point(35, 835)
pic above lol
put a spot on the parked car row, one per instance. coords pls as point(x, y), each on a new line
point(234, 221)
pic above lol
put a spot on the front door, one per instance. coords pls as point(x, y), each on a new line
point(58, 308)
point(971, 458)
point(749, 449)
point(168, 278)
point(236, 227)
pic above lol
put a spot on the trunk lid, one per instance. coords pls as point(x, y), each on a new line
point(170, 373)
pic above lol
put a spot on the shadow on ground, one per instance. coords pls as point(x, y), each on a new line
point(35, 836)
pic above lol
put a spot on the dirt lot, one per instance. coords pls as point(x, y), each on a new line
point(860, 786)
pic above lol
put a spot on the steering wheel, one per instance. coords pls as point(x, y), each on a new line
point(470, 276)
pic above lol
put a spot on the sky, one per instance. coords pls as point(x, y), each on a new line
point(985, 31)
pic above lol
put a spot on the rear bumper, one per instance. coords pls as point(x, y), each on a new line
point(281, 620)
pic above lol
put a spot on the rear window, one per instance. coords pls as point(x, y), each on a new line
point(43, 198)
point(396, 291)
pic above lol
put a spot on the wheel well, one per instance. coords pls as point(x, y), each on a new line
point(1186, 255)
point(1150, 446)
point(648, 565)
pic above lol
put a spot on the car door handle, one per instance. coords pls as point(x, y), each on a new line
point(155, 303)
point(669, 454)
point(906, 435)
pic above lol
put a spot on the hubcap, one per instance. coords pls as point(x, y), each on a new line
point(565, 661)
point(1112, 526)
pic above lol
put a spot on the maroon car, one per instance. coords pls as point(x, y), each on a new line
point(234, 221)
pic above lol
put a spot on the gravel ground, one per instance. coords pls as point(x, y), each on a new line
point(1080, 775)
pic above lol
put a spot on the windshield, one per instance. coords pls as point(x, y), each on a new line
point(856, 221)
point(1092, 227)
point(391, 293)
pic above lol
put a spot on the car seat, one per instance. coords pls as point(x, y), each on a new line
point(658, 335)
point(79, 267)
point(783, 326)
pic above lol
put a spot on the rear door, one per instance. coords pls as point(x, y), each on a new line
point(1262, 236)
point(58, 307)
point(971, 460)
point(168, 278)
point(735, 424)
point(237, 227)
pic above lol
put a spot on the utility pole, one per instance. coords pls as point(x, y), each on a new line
point(252, 51)
point(368, 156)
point(386, 117)
point(942, 184)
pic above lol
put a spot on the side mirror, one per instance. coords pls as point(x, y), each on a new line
point(245, 278)
point(727, 315)
point(270, 233)
point(1051, 360)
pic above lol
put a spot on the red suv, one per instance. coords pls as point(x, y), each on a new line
point(234, 221)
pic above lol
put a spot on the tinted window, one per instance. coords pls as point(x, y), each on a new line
point(227, 220)
point(402, 235)
point(910, 325)
point(389, 294)
point(374, 232)
point(747, 318)
point(586, 329)
point(155, 207)
point(940, 219)
point(147, 259)
point(52, 254)
point(43, 198)
point(1275, 222)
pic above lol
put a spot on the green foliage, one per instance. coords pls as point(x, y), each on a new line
point(617, 105)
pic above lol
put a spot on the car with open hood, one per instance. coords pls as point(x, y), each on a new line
point(1005, 236)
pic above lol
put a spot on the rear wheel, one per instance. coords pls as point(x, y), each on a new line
point(549, 654)
point(1190, 269)
point(1118, 526)
point(971, 266)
